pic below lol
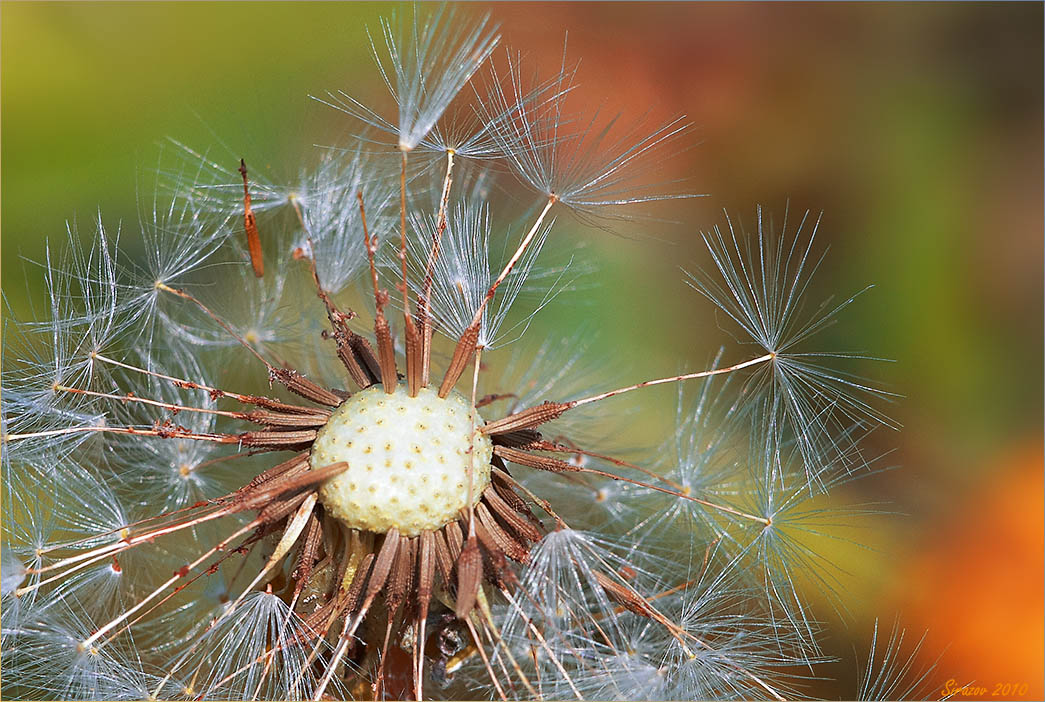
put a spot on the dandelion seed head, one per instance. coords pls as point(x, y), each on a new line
point(285, 456)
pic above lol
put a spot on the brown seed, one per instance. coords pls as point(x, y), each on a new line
point(469, 576)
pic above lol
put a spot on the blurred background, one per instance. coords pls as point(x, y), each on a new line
point(916, 129)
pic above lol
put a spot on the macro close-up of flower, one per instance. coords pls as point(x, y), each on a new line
point(387, 417)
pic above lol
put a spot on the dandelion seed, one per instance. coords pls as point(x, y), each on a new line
point(462, 275)
point(13, 574)
point(761, 285)
point(429, 61)
point(590, 167)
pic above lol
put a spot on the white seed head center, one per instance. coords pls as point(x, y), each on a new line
point(408, 459)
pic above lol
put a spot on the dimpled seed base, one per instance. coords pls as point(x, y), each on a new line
point(408, 459)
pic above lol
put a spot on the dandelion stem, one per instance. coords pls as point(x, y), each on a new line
point(676, 378)
point(170, 581)
point(162, 433)
point(332, 311)
point(495, 636)
point(128, 624)
point(672, 590)
point(514, 259)
point(723, 508)
point(385, 349)
point(64, 574)
point(414, 345)
point(216, 392)
point(569, 448)
point(730, 510)
point(425, 302)
point(131, 542)
point(126, 529)
point(52, 432)
point(681, 495)
point(147, 401)
point(466, 343)
point(486, 659)
point(222, 323)
point(402, 233)
point(681, 490)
